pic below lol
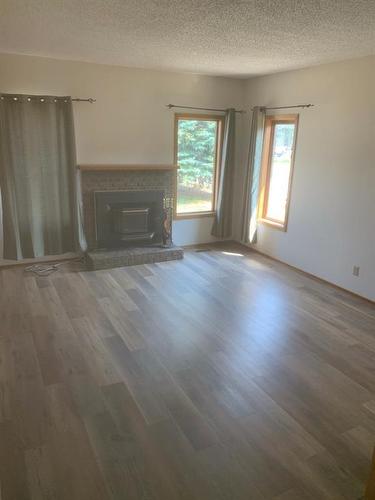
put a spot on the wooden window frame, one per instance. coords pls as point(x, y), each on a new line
point(269, 131)
point(219, 146)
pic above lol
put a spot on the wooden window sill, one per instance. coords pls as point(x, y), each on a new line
point(274, 224)
point(194, 215)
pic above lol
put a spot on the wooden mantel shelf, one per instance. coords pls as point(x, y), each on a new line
point(114, 167)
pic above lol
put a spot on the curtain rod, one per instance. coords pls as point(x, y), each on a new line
point(170, 106)
point(76, 99)
point(89, 99)
point(286, 107)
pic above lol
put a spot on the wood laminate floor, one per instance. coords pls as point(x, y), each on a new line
point(219, 377)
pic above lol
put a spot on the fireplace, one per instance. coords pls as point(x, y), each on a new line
point(129, 218)
point(128, 211)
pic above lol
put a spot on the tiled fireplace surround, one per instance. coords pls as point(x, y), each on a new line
point(125, 178)
point(122, 178)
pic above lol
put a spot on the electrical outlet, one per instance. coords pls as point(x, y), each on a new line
point(355, 270)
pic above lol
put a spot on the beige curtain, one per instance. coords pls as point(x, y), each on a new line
point(222, 227)
point(253, 171)
point(40, 202)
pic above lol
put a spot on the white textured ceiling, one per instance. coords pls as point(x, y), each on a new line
point(220, 37)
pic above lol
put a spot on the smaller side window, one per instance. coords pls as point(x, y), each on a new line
point(277, 169)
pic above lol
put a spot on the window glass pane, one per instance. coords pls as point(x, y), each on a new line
point(196, 156)
point(281, 161)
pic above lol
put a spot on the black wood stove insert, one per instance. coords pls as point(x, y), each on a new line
point(129, 218)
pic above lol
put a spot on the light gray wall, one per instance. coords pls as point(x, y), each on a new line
point(129, 123)
point(332, 210)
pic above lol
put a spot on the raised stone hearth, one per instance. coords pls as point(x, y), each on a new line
point(107, 259)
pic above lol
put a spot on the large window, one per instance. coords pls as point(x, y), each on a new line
point(198, 149)
point(278, 157)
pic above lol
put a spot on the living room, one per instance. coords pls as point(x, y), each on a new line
point(187, 266)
